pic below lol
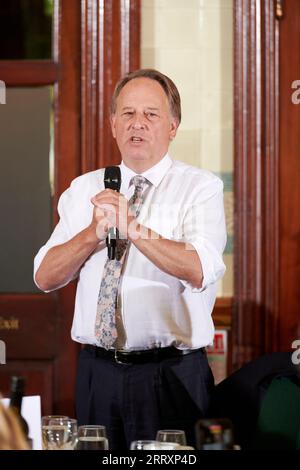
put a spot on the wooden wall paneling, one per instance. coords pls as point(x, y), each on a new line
point(270, 183)
point(247, 181)
point(289, 176)
point(110, 48)
point(36, 328)
point(21, 318)
point(89, 102)
point(29, 72)
point(222, 313)
point(133, 51)
point(67, 142)
point(255, 320)
point(67, 102)
point(39, 380)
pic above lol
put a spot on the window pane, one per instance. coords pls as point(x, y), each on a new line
point(192, 42)
point(25, 31)
point(25, 196)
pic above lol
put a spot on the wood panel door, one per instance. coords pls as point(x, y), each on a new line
point(95, 41)
point(35, 326)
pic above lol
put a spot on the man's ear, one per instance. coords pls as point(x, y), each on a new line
point(113, 124)
point(173, 129)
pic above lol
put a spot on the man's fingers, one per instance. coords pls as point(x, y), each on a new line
point(102, 228)
point(111, 217)
point(105, 205)
point(110, 210)
point(107, 196)
point(106, 211)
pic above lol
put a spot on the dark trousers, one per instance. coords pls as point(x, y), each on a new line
point(135, 401)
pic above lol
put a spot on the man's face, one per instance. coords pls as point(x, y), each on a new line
point(142, 124)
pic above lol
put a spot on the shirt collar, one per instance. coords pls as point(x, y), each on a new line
point(154, 174)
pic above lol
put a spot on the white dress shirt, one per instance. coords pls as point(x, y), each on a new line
point(155, 309)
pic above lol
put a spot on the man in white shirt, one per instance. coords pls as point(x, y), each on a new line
point(155, 373)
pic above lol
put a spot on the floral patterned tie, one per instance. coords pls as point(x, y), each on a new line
point(105, 326)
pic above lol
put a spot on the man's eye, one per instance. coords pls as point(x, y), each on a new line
point(128, 113)
point(151, 115)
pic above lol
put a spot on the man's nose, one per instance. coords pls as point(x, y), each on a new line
point(138, 122)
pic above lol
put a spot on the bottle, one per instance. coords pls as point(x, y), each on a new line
point(214, 434)
point(16, 397)
point(216, 437)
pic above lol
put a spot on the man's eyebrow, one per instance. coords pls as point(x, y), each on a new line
point(151, 108)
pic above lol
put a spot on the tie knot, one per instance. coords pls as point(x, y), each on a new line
point(138, 181)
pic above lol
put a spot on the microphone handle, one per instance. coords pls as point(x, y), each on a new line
point(111, 242)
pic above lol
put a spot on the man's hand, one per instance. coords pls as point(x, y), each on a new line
point(111, 210)
point(100, 222)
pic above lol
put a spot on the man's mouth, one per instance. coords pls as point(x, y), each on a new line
point(136, 139)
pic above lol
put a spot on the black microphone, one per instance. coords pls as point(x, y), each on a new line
point(112, 180)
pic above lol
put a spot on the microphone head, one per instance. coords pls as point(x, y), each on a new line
point(112, 178)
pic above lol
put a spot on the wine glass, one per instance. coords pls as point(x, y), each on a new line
point(142, 444)
point(171, 435)
point(92, 437)
point(153, 445)
point(56, 433)
point(185, 448)
point(72, 423)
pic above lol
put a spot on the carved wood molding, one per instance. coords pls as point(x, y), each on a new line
point(110, 48)
point(29, 72)
point(67, 41)
point(66, 50)
point(255, 323)
point(271, 178)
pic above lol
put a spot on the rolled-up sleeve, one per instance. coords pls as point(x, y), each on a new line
point(204, 228)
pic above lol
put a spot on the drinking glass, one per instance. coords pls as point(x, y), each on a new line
point(72, 423)
point(185, 448)
point(92, 437)
point(153, 445)
point(57, 433)
point(171, 435)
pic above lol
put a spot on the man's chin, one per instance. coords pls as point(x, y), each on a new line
point(136, 156)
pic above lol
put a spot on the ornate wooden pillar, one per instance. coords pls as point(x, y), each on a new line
point(110, 48)
point(256, 190)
